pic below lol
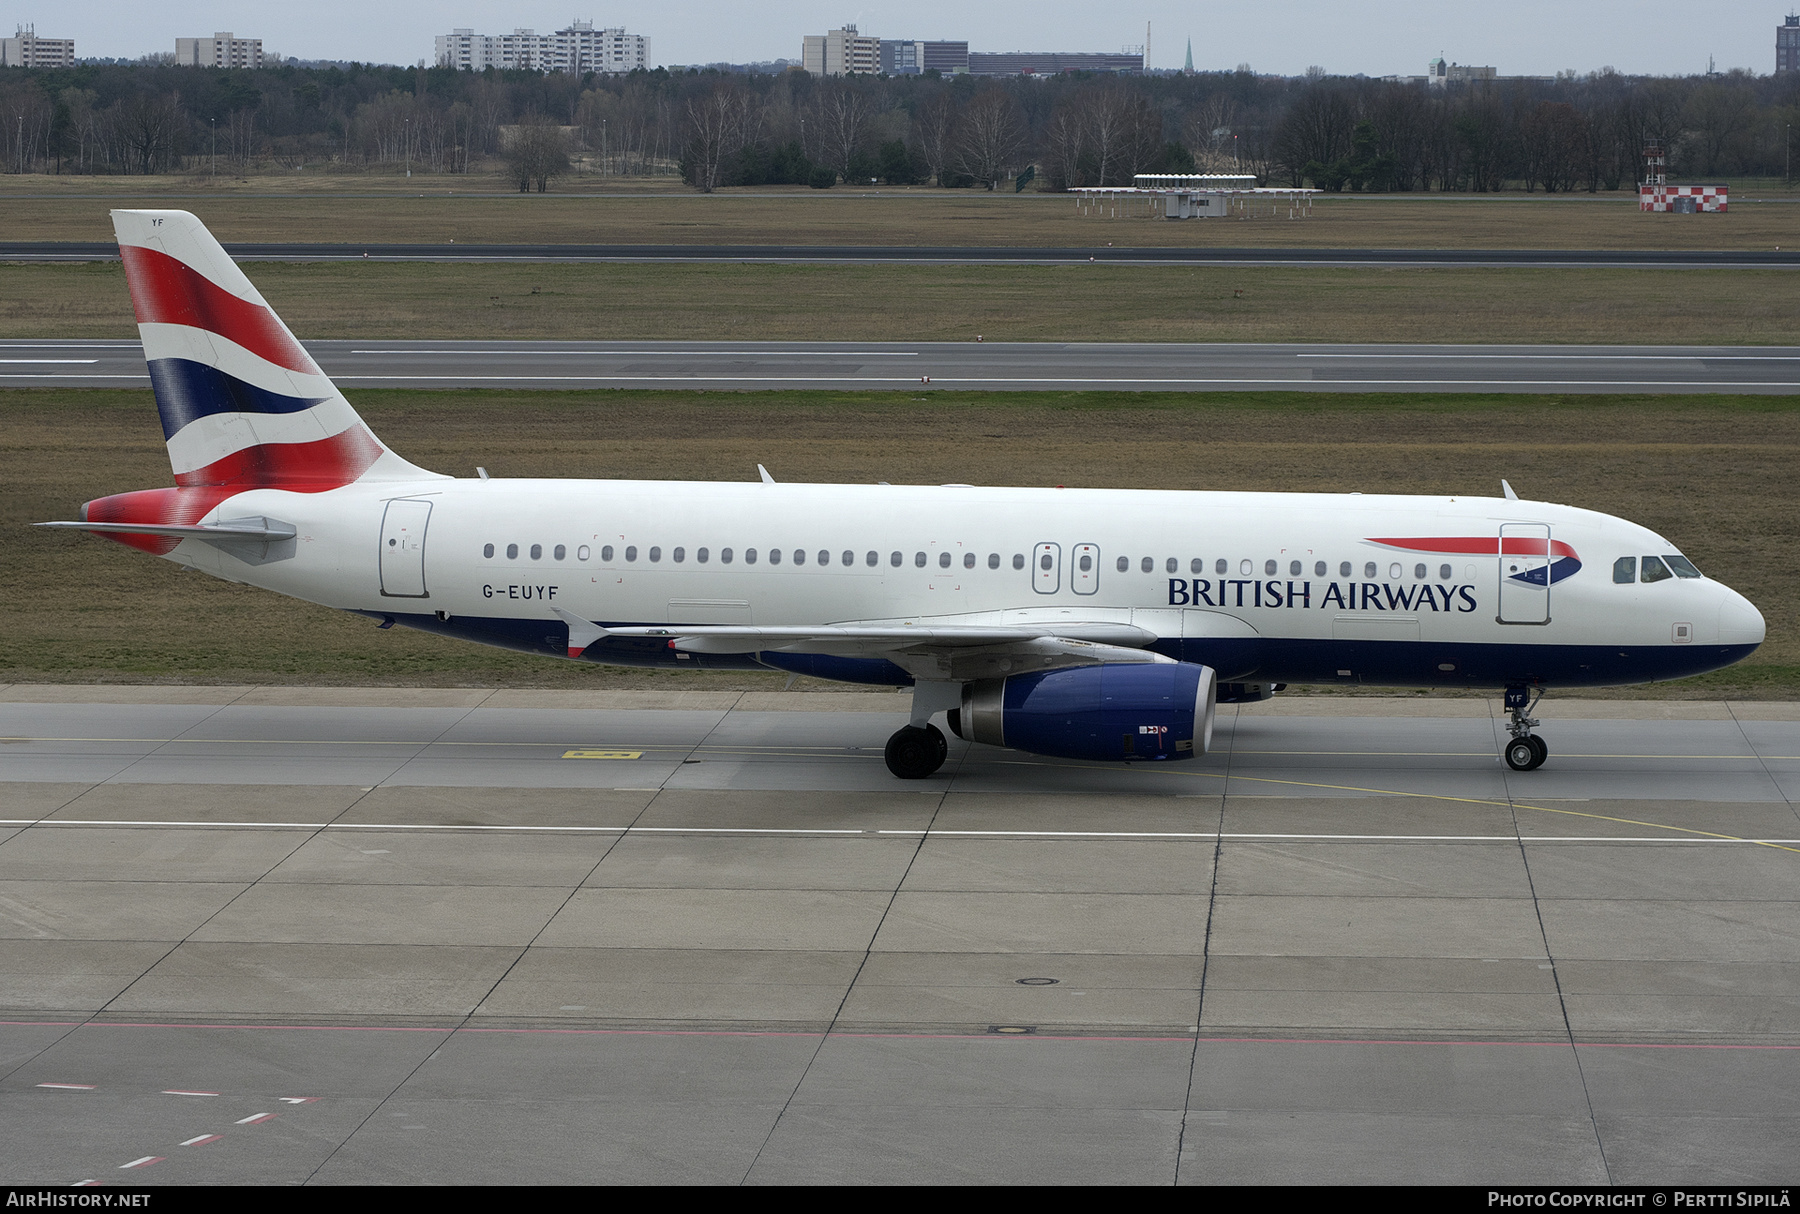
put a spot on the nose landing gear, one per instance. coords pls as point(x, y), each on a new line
point(1526, 751)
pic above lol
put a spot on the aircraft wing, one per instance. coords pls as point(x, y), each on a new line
point(942, 651)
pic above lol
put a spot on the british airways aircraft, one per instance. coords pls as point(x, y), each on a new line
point(1078, 623)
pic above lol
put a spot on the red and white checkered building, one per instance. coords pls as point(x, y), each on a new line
point(1672, 198)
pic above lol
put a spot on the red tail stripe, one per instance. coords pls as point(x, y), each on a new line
point(165, 291)
point(303, 467)
point(1479, 545)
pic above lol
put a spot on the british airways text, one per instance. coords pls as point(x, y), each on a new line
point(1342, 596)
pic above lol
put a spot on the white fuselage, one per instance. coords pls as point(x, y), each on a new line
point(1297, 586)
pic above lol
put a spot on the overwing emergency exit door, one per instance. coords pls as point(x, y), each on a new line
point(1524, 573)
point(1046, 568)
point(403, 548)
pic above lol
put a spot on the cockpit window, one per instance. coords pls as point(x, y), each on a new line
point(1625, 571)
point(1681, 565)
point(1655, 570)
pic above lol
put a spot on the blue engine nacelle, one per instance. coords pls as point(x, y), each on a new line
point(1124, 711)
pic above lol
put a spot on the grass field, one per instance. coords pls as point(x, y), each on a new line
point(954, 303)
point(1713, 474)
point(659, 211)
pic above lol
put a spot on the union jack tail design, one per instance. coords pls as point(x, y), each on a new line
point(243, 405)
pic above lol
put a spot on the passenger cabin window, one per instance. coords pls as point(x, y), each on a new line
point(850, 558)
point(583, 553)
point(701, 555)
point(872, 559)
point(1219, 566)
point(724, 556)
point(993, 560)
point(537, 552)
point(799, 556)
point(559, 552)
point(1369, 569)
point(749, 556)
point(894, 559)
point(1244, 568)
point(943, 560)
point(919, 560)
point(825, 557)
point(655, 553)
point(680, 555)
point(1419, 572)
point(774, 556)
point(968, 560)
point(1681, 565)
point(1293, 568)
point(1196, 565)
point(1172, 565)
point(1654, 570)
point(1269, 568)
point(1124, 563)
point(1625, 571)
point(512, 552)
point(631, 552)
point(1018, 560)
point(1318, 568)
point(487, 550)
point(1087, 562)
point(1343, 568)
point(606, 553)
point(1444, 572)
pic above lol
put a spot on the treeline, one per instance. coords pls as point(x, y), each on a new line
point(1570, 133)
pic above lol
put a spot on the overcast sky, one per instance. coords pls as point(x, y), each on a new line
point(1522, 37)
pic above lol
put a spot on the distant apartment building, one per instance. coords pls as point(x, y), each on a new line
point(1439, 73)
point(1787, 46)
point(578, 49)
point(840, 52)
point(26, 49)
point(1033, 63)
point(910, 58)
point(221, 50)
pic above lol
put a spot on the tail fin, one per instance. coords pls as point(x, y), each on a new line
point(242, 403)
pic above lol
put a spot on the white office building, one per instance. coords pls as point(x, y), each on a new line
point(221, 50)
point(26, 49)
point(840, 52)
point(578, 48)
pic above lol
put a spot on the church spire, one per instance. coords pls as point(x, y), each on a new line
point(1189, 69)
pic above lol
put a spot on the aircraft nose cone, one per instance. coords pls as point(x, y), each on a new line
point(1740, 623)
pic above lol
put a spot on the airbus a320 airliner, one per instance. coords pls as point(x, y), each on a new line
point(1077, 623)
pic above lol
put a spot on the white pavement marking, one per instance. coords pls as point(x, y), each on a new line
point(674, 353)
point(69, 1087)
point(181, 1092)
point(257, 1119)
point(908, 831)
point(202, 1140)
point(145, 1162)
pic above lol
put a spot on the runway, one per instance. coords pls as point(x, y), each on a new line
point(973, 366)
point(267, 935)
point(75, 251)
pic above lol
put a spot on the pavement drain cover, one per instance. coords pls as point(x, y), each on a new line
point(1037, 981)
point(1009, 1030)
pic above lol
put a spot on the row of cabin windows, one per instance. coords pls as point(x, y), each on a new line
point(1270, 568)
point(1628, 569)
point(750, 556)
point(1246, 567)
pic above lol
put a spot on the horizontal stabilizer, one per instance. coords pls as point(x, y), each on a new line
point(238, 530)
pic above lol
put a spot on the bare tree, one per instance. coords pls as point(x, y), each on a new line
point(842, 113)
point(719, 122)
point(539, 152)
point(934, 133)
point(148, 127)
point(991, 134)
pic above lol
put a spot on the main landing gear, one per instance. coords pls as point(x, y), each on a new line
point(1526, 751)
point(915, 752)
point(920, 749)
